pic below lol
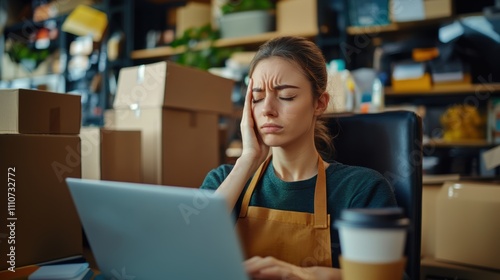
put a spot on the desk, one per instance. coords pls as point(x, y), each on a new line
point(439, 270)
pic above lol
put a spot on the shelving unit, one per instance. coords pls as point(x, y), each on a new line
point(91, 114)
point(166, 51)
point(331, 21)
point(124, 13)
point(460, 156)
point(20, 32)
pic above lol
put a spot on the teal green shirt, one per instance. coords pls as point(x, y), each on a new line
point(347, 187)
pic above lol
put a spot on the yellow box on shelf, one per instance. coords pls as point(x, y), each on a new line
point(422, 83)
point(86, 21)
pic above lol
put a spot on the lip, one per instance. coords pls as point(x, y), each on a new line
point(270, 128)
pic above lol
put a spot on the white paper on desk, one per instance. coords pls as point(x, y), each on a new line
point(492, 158)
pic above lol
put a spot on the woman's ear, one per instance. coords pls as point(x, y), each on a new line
point(322, 103)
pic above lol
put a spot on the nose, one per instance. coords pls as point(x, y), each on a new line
point(269, 106)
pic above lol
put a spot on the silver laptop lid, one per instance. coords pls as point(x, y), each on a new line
point(157, 232)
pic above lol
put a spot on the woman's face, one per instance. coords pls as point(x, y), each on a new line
point(283, 106)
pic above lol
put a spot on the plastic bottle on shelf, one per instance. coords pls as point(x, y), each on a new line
point(341, 87)
point(377, 95)
point(369, 91)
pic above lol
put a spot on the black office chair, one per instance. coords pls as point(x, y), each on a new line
point(390, 143)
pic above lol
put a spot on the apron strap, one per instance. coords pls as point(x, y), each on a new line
point(251, 187)
point(320, 211)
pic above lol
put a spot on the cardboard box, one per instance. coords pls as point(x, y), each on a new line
point(192, 15)
point(467, 227)
point(39, 112)
point(113, 155)
point(287, 13)
point(45, 224)
point(169, 85)
point(179, 147)
point(438, 8)
point(177, 109)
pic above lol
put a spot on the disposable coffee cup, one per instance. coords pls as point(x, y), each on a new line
point(372, 243)
point(372, 235)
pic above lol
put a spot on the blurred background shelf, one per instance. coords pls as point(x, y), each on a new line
point(395, 27)
point(405, 26)
point(166, 51)
point(493, 88)
point(474, 143)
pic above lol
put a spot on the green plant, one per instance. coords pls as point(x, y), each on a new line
point(200, 51)
point(233, 6)
point(26, 55)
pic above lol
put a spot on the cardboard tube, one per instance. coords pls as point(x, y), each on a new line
point(352, 270)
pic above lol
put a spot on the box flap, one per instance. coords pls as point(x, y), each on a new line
point(192, 88)
point(141, 86)
point(166, 84)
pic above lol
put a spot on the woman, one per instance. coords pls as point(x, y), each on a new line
point(285, 195)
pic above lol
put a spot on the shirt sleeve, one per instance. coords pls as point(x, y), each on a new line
point(216, 176)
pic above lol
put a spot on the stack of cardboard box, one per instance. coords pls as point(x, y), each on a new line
point(177, 110)
point(39, 148)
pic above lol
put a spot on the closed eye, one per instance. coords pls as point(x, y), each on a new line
point(287, 98)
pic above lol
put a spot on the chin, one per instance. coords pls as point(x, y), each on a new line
point(273, 142)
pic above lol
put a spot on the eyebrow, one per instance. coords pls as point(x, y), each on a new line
point(278, 87)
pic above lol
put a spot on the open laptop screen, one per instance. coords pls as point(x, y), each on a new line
point(157, 232)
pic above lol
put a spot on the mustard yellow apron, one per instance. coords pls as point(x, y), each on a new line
point(299, 238)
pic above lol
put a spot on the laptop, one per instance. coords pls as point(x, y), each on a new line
point(140, 231)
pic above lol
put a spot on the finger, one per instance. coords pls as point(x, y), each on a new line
point(255, 264)
point(248, 97)
point(246, 120)
point(285, 271)
point(249, 90)
point(276, 272)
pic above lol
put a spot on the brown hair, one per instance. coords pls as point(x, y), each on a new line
point(310, 59)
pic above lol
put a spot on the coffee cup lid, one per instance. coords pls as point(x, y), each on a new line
point(373, 218)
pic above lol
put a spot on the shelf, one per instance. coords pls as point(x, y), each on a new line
point(439, 143)
point(29, 25)
point(393, 27)
point(449, 90)
point(401, 26)
point(163, 52)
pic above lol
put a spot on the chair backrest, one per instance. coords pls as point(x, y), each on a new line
point(390, 143)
